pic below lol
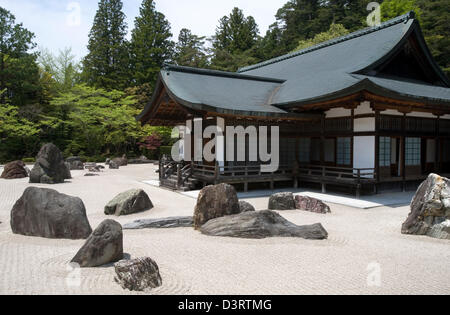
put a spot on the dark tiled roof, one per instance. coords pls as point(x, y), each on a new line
point(330, 70)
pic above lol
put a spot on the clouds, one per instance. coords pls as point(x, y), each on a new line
point(66, 23)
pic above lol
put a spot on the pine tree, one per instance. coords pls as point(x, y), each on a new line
point(190, 50)
point(151, 46)
point(235, 42)
point(107, 64)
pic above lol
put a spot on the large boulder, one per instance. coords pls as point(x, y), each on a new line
point(246, 207)
point(164, 223)
point(311, 204)
point(261, 224)
point(430, 209)
point(75, 163)
point(104, 246)
point(50, 167)
point(282, 201)
point(47, 213)
point(129, 202)
point(215, 202)
point(138, 274)
point(14, 170)
point(123, 161)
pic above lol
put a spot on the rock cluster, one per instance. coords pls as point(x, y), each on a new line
point(430, 209)
point(46, 213)
point(50, 167)
point(74, 163)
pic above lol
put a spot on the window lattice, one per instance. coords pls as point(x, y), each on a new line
point(344, 155)
point(385, 151)
point(413, 151)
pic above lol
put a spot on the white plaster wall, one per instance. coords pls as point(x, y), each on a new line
point(445, 117)
point(364, 108)
point(364, 152)
point(391, 112)
point(338, 112)
point(364, 124)
point(422, 115)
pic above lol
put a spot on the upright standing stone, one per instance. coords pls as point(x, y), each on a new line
point(215, 202)
point(50, 167)
point(104, 246)
point(430, 209)
point(46, 213)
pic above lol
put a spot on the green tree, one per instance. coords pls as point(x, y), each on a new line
point(235, 42)
point(392, 8)
point(19, 74)
point(336, 30)
point(63, 68)
point(190, 50)
point(151, 46)
point(107, 63)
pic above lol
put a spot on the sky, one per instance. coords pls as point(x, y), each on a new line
point(66, 23)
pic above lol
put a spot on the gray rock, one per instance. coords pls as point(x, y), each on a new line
point(165, 223)
point(123, 161)
point(47, 213)
point(138, 274)
point(113, 165)
point(430, 209)
point(50, 167)
point(311, 204)
point(246, 207)
point(282, 201)
point(75, 163)
point(14, 170)
point(104, 246)
point(91, 175)
point(261, 224)
point(215, 202)
point(129, 202)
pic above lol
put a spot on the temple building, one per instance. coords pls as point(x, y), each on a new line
point(366, 112)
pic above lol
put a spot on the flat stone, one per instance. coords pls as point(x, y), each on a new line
point(47, 213)
point(129, 202)
point(138, 274)
point(164, 223)
point(104, 246)
point(261, 224)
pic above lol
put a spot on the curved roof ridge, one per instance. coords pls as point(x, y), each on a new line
point(217, 73)
point(401, 19)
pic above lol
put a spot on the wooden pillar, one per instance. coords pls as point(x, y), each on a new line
point(377, 149)
point(403, 158)
point(322, 154)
